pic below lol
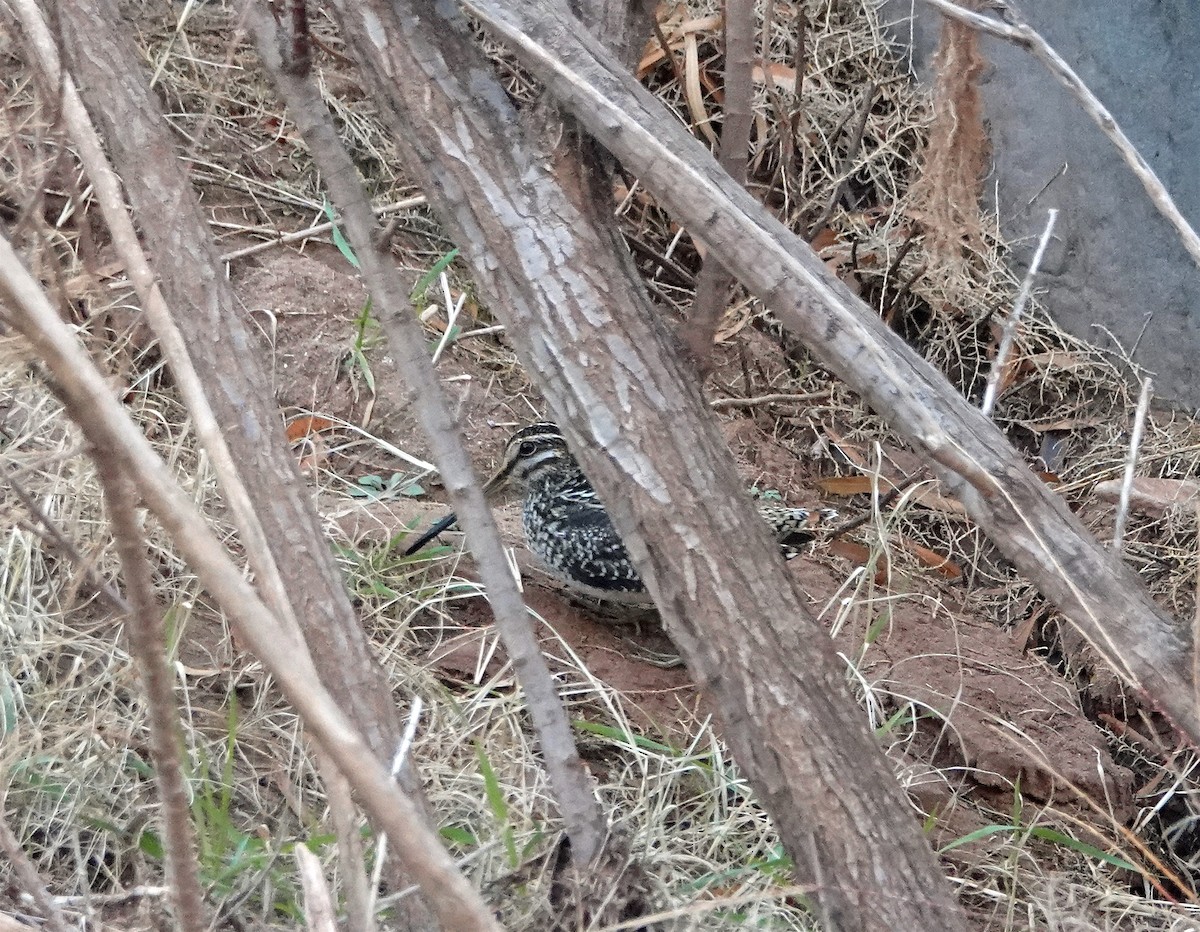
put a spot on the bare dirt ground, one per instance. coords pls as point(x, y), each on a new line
point(1060, 801)
point(932, 650)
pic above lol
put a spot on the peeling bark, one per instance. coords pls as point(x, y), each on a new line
point(581, 323)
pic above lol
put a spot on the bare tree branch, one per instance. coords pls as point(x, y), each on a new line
point(585, 821)
point(191, 309)
point(105, 424)
point(147, 635)
point(1030, 524)
point(582, 323)
point(712, 288)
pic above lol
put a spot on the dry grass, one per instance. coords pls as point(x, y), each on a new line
point(74, 775)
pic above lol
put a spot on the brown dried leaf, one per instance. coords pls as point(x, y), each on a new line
point(692, 90)
point(827, 237)
point(301, 427)
point(1058, 359)
point(1023, 633)
point(1014, 370)
point(856, 553)
point(931, 558)
point(852, 452)
point(1154, 497)
point(935, 501)
point(846, 485)
point(783, 76)
point(675, 34)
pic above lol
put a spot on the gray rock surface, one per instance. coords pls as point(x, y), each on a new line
point(1116, 264)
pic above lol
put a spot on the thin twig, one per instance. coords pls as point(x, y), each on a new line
point(799, 64)
point(45, 527)
point(713, 284)
point(585, 820)
point(316, 230)
point(665, 264)
point(1131, 459)
point(719, 404)
point(398, 761)
point(1025, 36)
point(782, 117)
point(28, 877)
point(453, 309)
point(893, 270)
point(1010, 325)
point(860, 127)
point(91, 898)
point(1196, 628)
point(489, 331)
point(147, 635)
point(666, 47)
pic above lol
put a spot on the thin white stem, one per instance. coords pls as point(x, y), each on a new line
point(316, 230)
point(481, 332)
point(718, 404)
point(1135, 443)
point(453, 308)
point(1010, 325)
point(406, 740)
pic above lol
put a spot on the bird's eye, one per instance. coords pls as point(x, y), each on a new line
point(526, 448)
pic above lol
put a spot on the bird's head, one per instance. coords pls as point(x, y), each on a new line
point(533, 451)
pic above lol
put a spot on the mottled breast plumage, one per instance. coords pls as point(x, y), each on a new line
point(570, 531)
point(567, 527)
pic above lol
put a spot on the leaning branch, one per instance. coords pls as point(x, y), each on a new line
point(585, 820)
point(146, 630)
point(94, 408)
point(1031, 525)
point(214, 360)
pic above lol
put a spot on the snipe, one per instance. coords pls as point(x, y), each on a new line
point(568, 528)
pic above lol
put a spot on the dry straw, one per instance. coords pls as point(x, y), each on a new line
point(76, 793)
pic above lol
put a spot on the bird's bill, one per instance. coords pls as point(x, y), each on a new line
point(499, 481)
point(497, 484)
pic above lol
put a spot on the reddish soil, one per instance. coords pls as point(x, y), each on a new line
point(987, 710)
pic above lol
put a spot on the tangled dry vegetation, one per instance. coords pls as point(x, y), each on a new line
point(837, 165)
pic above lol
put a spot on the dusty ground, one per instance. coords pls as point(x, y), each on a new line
point(997, 719)
point(1000, 715)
